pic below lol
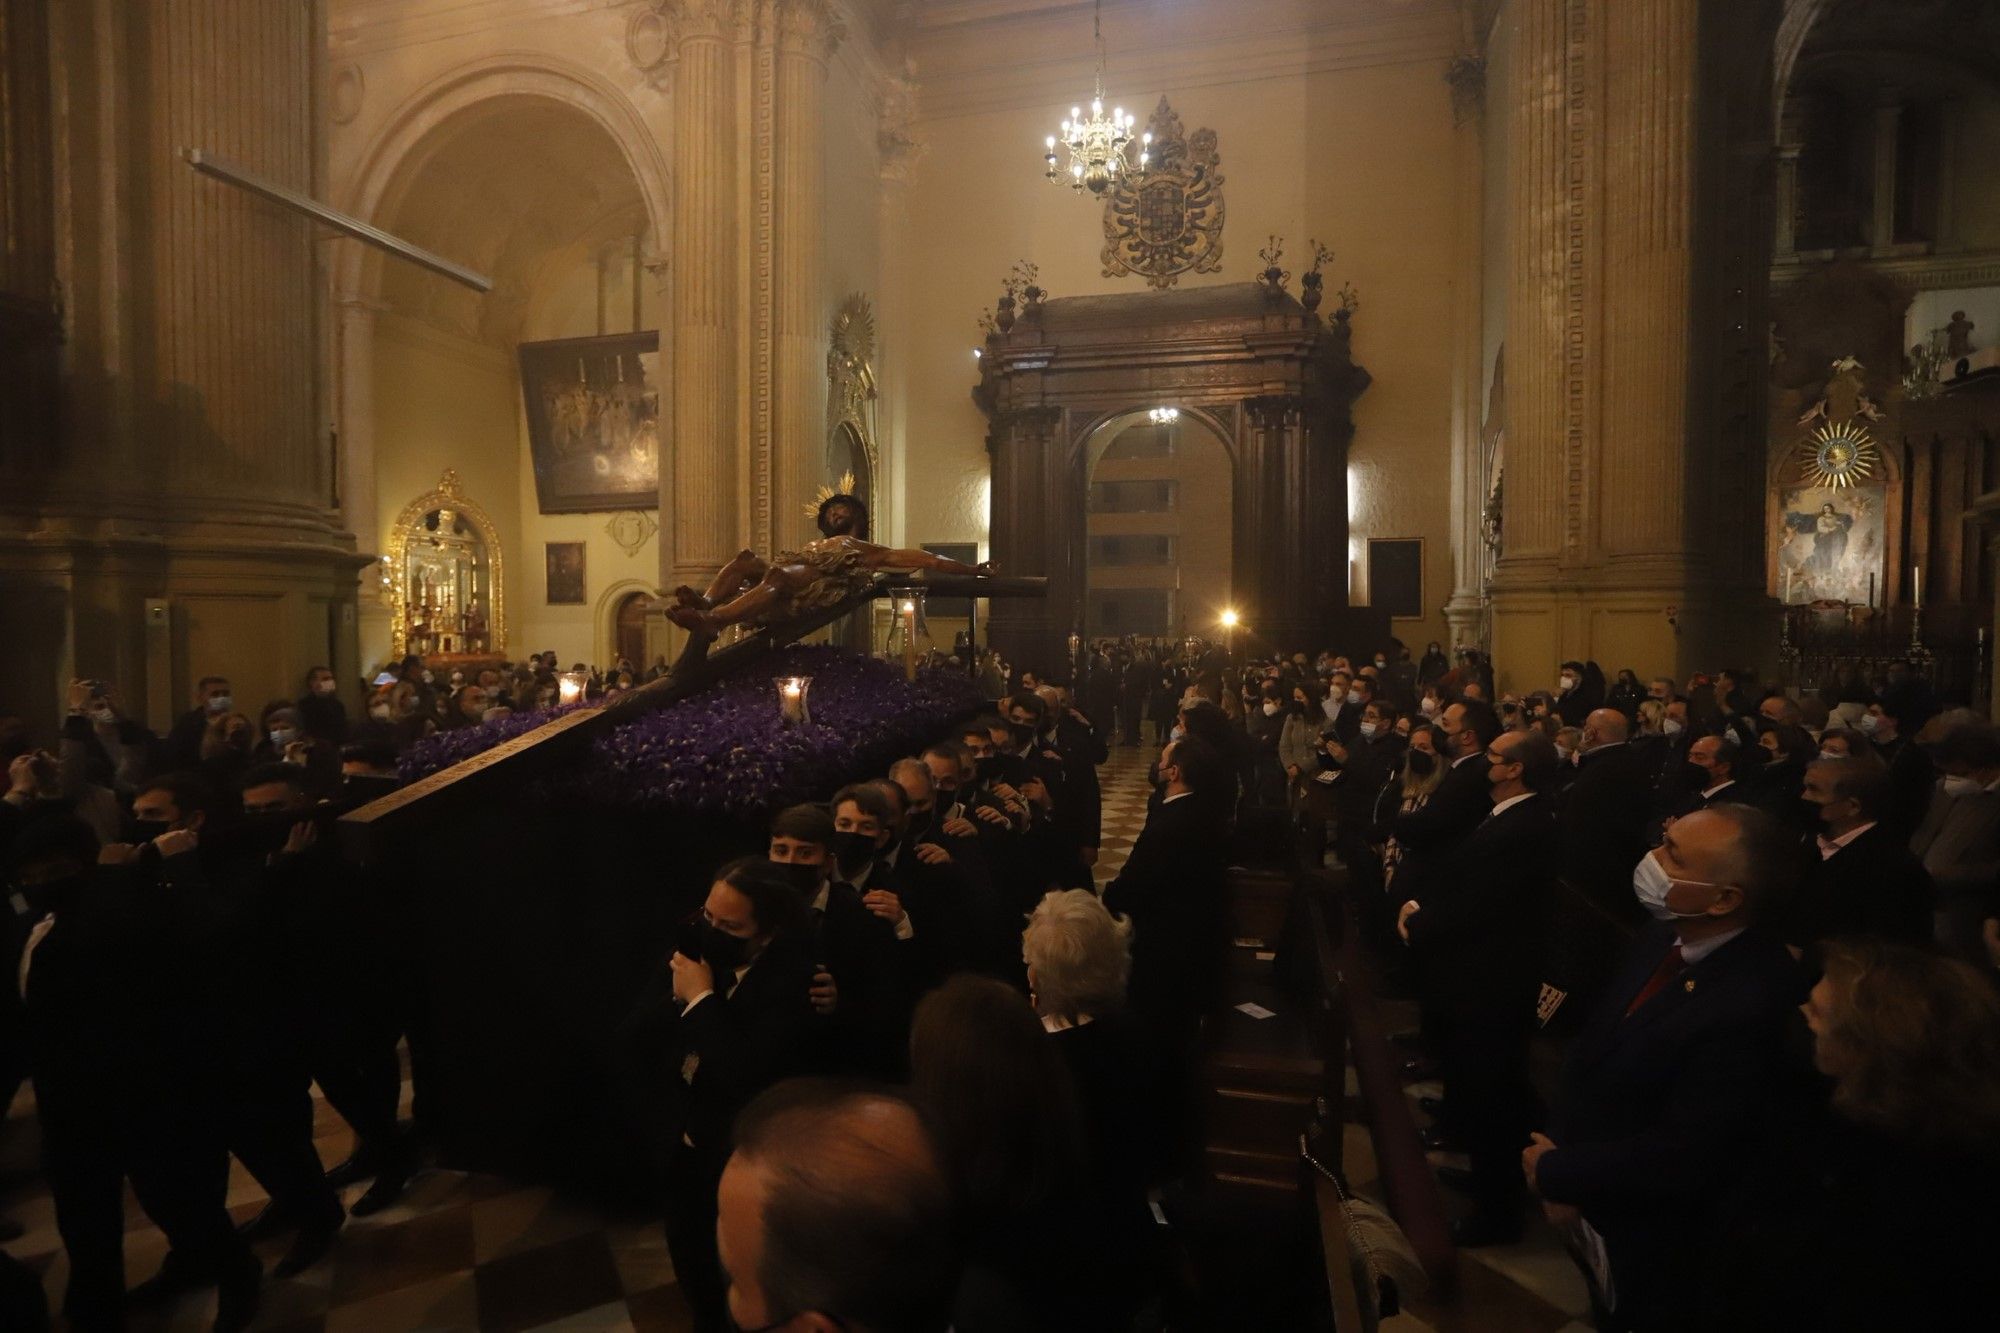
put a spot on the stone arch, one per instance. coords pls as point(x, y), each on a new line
point(407, 135)
point(604, 618)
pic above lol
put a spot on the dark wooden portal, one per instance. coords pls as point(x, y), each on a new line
point(1274, 380)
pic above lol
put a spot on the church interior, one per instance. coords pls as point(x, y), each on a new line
point(603, 430)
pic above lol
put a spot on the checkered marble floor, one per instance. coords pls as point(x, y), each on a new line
point(460, 1252)
point(1125, 788)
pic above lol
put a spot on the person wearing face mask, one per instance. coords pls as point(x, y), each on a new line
point(1668, 1088)
point(1570, 702)
point(1366, 768)
point(861, 1018)
point(1265, 723)
point(1863, 880)
point(322, 716)
point(1298, 740)
point(182, 748)
point(1708, 776)
point(734, 1021)
point(98, 980)
point(1341, 718)
point(1959, 839)
point(1889, 726)
point(1480, 945)
point(99, 746)
point(1780, 781)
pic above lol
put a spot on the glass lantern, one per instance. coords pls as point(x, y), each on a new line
point(909, 638)
point(794, 709)
point(571, 687)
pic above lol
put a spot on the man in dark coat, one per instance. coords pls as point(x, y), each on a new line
point(1601, 828)
point(1171, 887)
point(1671, 1079)
point(1482, 941)
point(1860, 879)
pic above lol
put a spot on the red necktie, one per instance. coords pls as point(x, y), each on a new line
point(1658, 981)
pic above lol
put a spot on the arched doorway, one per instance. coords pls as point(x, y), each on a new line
point(628, 634)
point(1158, 528)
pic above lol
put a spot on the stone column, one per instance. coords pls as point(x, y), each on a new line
point(1602, 196)
point(1888, 127)
point(354, 424)
point(807, 33)
point(194, 466)
point(698, 481)
point(1463, 611)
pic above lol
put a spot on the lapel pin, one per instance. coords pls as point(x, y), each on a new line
point(1689, 985)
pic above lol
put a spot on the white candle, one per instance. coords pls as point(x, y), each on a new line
point(1917, 585)
point(910, 639)
point(1788, 587)
point(793, 702)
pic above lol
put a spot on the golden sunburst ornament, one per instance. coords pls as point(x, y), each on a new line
point(826, 493)
point(1838, 455)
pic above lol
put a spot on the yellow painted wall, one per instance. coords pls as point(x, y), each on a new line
point(1357, 158)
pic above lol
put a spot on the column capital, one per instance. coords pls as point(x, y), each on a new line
point(696, 20)
point(807, 27)
point(897, 146)
point(1275, 411)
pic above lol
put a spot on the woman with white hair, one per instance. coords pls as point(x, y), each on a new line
point(1079, 956)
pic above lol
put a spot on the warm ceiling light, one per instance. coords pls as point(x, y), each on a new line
point(1164, 416)
point(1100, 149)
point(1229, 619)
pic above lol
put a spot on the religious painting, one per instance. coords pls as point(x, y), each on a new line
point(594, 421)
point(1830, 544)
point(565, 573)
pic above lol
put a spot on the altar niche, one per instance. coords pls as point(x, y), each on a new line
point(1270, 381)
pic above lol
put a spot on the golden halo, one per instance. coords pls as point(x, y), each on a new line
point(1838, 455)
point(826, 493)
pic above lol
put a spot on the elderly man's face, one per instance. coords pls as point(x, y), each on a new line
point(944, 775)
point(1772, 709)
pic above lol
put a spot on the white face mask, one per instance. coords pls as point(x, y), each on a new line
point(221, 703)
point(1957, 785)
point(1651, 884)
point(1270, 708)
point(1368, 730)
point(1868, 723)
point(1565, 755)
point(1177, 733)
point(1671, 727)
point(322, 687)
point(1381, 662)
point(379, 711)
point(1566, 684)
point(282, 736)
point(1430, 707)
point(103, 717)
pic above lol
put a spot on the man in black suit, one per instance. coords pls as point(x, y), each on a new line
point(1171, 886)
point(1482, 941)
point(1601, 828)
point(1888, 724)
point(1667, 1085)
point(1710, 775)
point(744, 1021)
point(1861, 879)
point(181, 751)
point(860, 1016)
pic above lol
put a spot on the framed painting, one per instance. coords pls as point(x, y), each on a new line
point(593, 409)
point(1830, 543)
point(1396, 576)
point(565, 573)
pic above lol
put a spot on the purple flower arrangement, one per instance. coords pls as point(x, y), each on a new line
point(726, 752)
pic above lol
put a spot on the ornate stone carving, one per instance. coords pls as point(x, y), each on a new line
point(649, 37)
point(896, 143)
point(631, 528)
point(811, 27)
point(1275, 275)
point(344, 88)
point(1168, 221)
point(1467, 76)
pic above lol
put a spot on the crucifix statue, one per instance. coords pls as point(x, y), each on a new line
point(818, 575)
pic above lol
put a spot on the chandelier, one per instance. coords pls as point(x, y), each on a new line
point(1164, 416)
point(1099, 150)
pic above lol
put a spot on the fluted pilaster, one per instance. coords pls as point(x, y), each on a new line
point(698, 492)
point(806, 35)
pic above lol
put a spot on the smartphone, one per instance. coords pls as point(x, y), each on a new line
point(687, 937)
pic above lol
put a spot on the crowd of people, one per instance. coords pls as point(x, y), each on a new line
point(914, 1067)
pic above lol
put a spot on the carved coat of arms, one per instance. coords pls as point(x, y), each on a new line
point(1167, 221)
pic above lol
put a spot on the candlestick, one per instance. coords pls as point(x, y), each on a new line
point(1871, 590)
point(1788, 587)
point(1917, 585)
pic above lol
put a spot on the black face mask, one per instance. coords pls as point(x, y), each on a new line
point(805, 879)
point(851, 851)
point(1695, 777)
point(138, 831)
point(921, 824)
point(53, 895)
point(724, 953)
point(1422, 765)
point(1023, 734)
